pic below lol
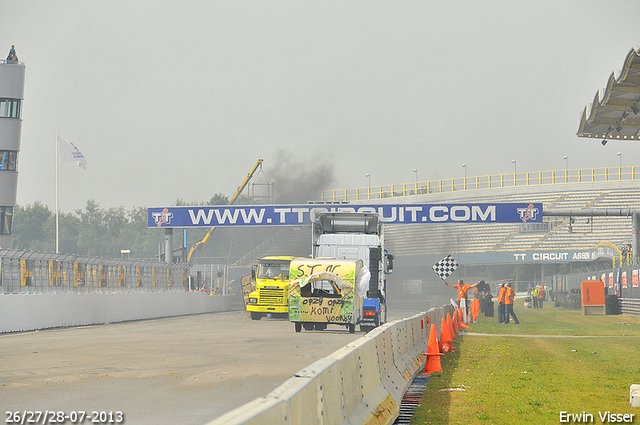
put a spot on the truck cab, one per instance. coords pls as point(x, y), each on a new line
point(346, 235)
point(271, 294)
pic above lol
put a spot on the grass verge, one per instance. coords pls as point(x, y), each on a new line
point(504, 378)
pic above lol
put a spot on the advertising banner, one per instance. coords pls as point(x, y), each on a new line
point(139, 276)
point(122, 277)
point(297, 215)
point(79, 273)
point(55, 273)
point(26, 267)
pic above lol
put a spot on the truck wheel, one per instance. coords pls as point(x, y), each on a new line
point(321, 326)
point(298, 327)
point(352, 328)
point(308, 326)
point(255, 315)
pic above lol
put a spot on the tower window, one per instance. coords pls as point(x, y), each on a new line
point(8, 160)
point(6, 220)
point(10, 108)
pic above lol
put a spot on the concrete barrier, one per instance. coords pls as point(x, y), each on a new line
point(362, 383)
point(41, 311)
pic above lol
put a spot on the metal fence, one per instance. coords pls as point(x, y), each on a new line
point(536, 178)
point(24, 272)
point(623, 281)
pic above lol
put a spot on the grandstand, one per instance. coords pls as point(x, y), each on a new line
point(555, 233)
point(599, 188)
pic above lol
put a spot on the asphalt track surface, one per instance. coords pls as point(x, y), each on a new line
point(186, 370)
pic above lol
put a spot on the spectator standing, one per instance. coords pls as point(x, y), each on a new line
point(540, 296)
point(487, 301)
point(534, 297)
point(508, 303)
point(12, 57)
point(502, 292)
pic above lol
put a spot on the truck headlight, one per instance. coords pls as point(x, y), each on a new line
point(253, 300)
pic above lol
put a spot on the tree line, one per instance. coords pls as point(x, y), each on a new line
point(103, 232)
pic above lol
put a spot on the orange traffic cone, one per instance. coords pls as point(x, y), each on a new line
point(422, 321)
point(433, 353)
point(475, 309)
point(452, 333)
point(444, 343)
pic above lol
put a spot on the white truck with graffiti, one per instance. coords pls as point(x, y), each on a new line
point(326, 291)
point(356, 235)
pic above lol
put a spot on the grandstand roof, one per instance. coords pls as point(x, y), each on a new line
point(614, 111)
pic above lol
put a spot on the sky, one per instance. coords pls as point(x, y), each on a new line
point(176, 100)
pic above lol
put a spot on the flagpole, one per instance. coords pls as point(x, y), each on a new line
point(67, 152)
point(57, 192)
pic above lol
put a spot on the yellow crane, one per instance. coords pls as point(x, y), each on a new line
point(207, 235)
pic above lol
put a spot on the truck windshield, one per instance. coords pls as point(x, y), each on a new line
point(273, 271)
point(321, 288)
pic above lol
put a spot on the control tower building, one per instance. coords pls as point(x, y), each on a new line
point(11, 97)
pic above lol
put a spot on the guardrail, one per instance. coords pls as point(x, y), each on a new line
point(536, 178)
point(630, 306)
point(25, 272)
point(363, 382)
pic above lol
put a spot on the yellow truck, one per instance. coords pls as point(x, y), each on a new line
point(271, 293)
point(325, 291)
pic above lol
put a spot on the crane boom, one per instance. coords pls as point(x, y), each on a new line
point(207, 235)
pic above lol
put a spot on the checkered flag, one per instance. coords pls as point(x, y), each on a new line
point(445, 267)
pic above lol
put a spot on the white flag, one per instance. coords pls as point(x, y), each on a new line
point(70, 152)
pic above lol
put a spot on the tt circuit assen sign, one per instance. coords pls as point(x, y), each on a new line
point(297, 215)
point(599, 252)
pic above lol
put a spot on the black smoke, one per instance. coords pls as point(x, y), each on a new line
point(298, 179)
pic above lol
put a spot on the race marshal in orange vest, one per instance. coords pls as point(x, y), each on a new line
point(462, 288)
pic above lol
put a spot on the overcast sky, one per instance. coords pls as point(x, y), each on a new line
point(179, 99)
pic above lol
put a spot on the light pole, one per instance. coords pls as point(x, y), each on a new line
point(415, 170)
point(566, 169)
point(620, 169)
point(464, 183)
point(515, 171)
point(369, 187)
point(566, 162)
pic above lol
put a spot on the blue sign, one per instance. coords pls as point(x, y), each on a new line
point(299, 215)
point(599, 252)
